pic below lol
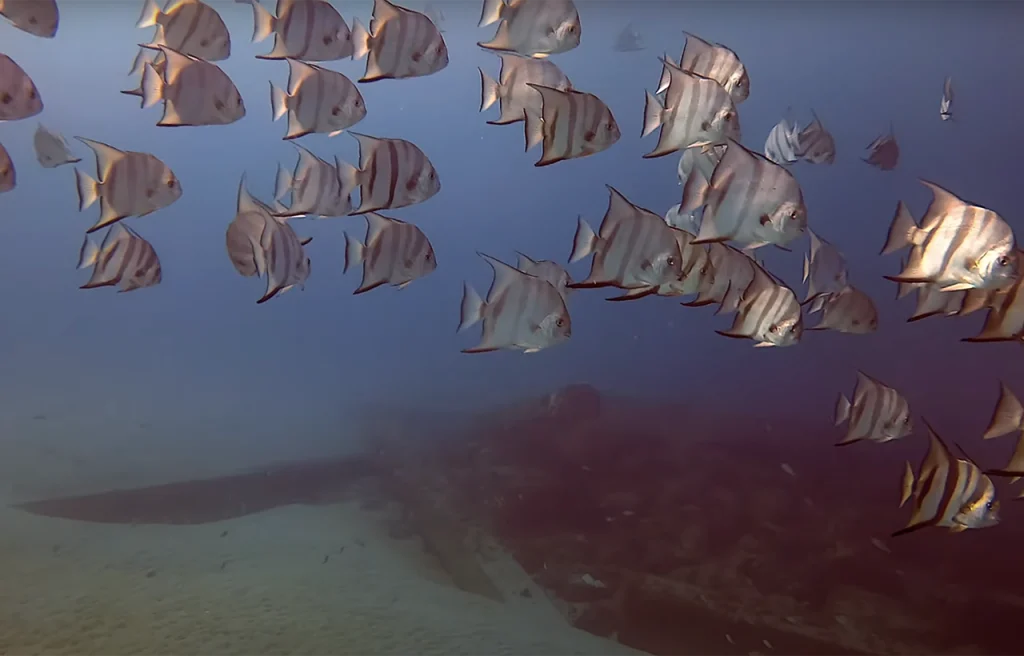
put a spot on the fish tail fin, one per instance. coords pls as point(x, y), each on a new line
point(88, 189)
point(695, 192)
point(349, 176)
point(533, 128)
point(472, 307)
point(152, 86)
point(264, 22)
point(278, 101)
point(141, 57)
point(653, 114)
point(1008, 415)
point(584, 241)
point(88, 253)
point(902, 231)
point(491, 12)
point(842, 409)
point(360, 40)
point(283, 184)
point(907, 483)
point(489, 90)
point(150, 14)
point(354, 253)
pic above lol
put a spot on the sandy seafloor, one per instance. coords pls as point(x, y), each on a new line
point(262, 588)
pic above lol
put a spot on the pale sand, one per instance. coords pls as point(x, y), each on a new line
point(77, 588)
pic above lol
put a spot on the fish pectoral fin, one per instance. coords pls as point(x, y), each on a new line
point(734, 335)
point(763, 345)
point(531, 350)
point(957, 287)
point(958, 527)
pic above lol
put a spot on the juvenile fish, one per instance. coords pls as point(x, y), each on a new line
point(194, 92)
point(884, 152)
point(553, 272)
point(768, 313)
point(124, 259)
point(8, 177)
point(533, 28)
point(190, 27)
point(395, 253)
point(315, 187)
point(392, 173)
point(403, 43)
point(848, 311)
point(318, 100)
point(715, 62)
point(783, 143)
point(629, 40)
point(571, 124)
point(19, 97)
point(946, 104)
point(51, 149)
point(37, 17)
point(825, 270)
point(310, 30)
point(512, 91)
point(817, 145)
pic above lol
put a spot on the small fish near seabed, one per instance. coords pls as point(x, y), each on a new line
point(401, 44)
point(311, 30)
point(318, 100)
point(19, 97)
point(768, 313)
point(629, 40)
point(878, 413)
point(395, 253)
point(946, 104)
point(194, 91)
point(392, 173)
point(825, 270)
point(548, 270)
point(783, 143)
point(130, 184)
point(715, 62)
point(51, 149)
point(884, 152)
point(36, 17)
point(533, 28)
point(948, 492)
point(958, 245)
point(190, 27)
point(124, 259)
point(1005, 319)
point(572, 124)
point(1008, 417)
point(521, 312)
point(8, 176)
point(849, 311)
point(512, 90)
point(315, 186)
point(817, 145)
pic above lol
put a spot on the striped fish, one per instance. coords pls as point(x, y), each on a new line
point(697, 112)
point(19, 97)
point(395, 253)
point(958, 245)
point(403, 43)
point(521, 312)
point(512, 91)
point(1008, 417)
point(36, 17)
point(533, 28)
point(750, 200)
point(635, 248)
point(783, 143)
point(310, 30)
point(318, 100)
point(879, 413)
point(194, 92)
point(733, 273)
point(946, 105)
point(768, 312)
point(629, 40)
point(51, 149)
point(144, 56)
point(884, 152)
point(715, 62)
point(190, 27)
point(315, 187)
point(703, 159)
point(124, 259)
point(948, 492)
point(816, 143)
point(130, 184)
point(697, 274)
point(8, 176)
point(392, 173)
point(848, 310)
point(571, 124)
point(825, 270)
point(1005, 320)
point(553, 272)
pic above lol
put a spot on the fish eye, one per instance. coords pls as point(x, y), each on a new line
point(773, 328)
point(1004, 261)
point(671, 261)
point(560, 323)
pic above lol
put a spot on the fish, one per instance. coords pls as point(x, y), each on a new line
point(685, 221)
point(697, 112)
point(946, 105)
point(571, 124)
point(512, 91)
point(783, 143)
point(635, 248)
point(825, 270)
point(130, 184)
point(958, 245)
point(1007, 417)
point(949, 492)
point(521, 312)
point(697, 272)
point(310, 30)
point(931, 300)
point(51, 149)
point(36, 17)
point(395, 253)
point(733, 273)
point(533, 28)
point(703, 159)
point(19, 97)
point(190, 27)
point(848, 311)
point(144, 56)
point(548, 270)
point(768, 312)
point(315, 186)
point(1005, 319)
point(243, 243)
point(715, 62)
point(817, 145)
point(318, 100)
point(878, 413)
point(8, 175)
point(749, 199)
point(195, 92)
point(392, 173)
point(402, 43)
point(629, 40)
point(124, 259)
point(885, 152)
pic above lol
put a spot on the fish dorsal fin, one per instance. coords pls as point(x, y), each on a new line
point(678, 81)
point(383, 11)
point(619, 209)
point(106, 156)
point(510, 61)
point(376, 224)
point(176, 63)
point(553, 100)
point(695, 47)
point(934, 473)
point(525, 261)
point(246, 203)
point(504, 276)
point(307, 159)
point(942, 202)
point(297, 72)
point(1008, 415)
point(367, 148)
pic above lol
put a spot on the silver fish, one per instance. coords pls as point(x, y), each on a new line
point(703, 159)
point(8, 176)
point(403, 43)
point(816, 143)
point(697, 273)
point(395, 253)
point(392, 173)
point(124, 259)
point(51, 149)
point(685, 221)
point(697, 112)
point(715, 62)
point(572, 124)
point(521, 312)
point(19, 97)
point(848, 311)
point(318, 100)
point(733, 273)
point(629, 40)
point(310, 30)
point(315, 186)
point(37, 17)
point(783, 143)
point(130, 184)
point(1005, 320)
point(946, 105)
point(512, 91)
point(768, 313)
point(885, 152)
point(190, 27)
point(958, 245)
point(243, 243)
point(533, 28)
point(194, 92)
point(548, 270)
point(879, 413)
point(949, 492)
point(825, 270)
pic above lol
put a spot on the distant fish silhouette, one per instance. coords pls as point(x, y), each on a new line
point(629, 40)
point(885, 152)
point(946, 106)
